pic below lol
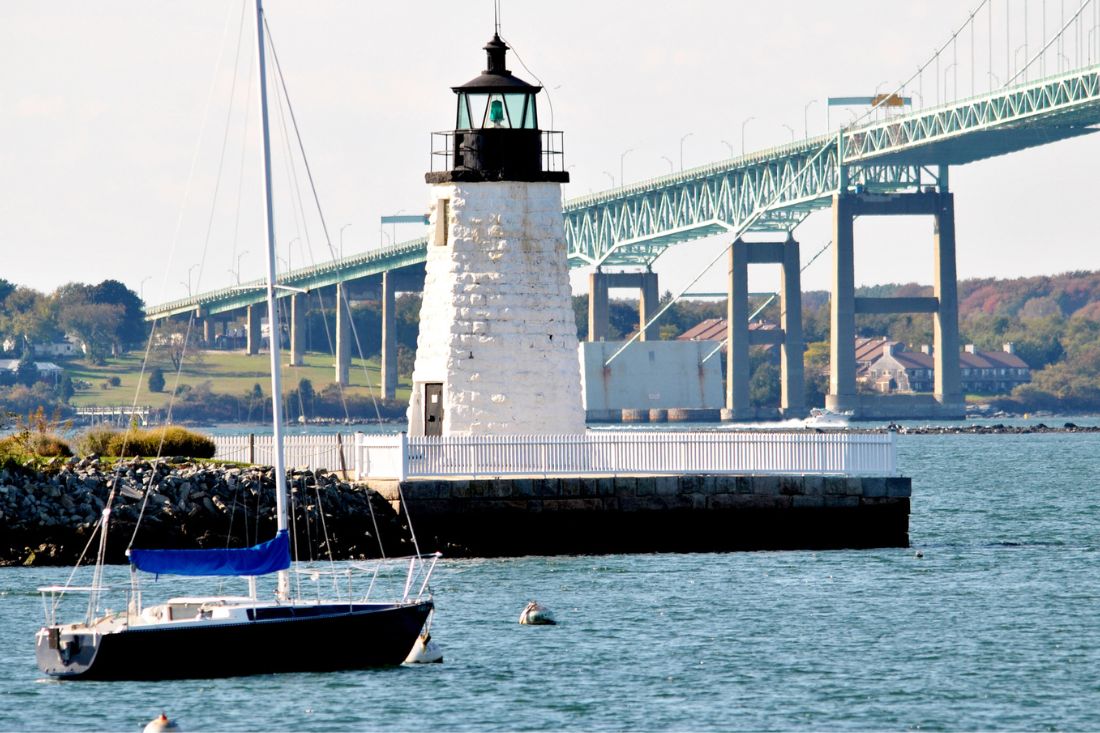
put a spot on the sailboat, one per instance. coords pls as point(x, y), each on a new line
point(221, 636)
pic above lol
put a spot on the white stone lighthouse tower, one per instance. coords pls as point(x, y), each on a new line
point(497, 352)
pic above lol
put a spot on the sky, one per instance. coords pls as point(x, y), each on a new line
point(129, 149)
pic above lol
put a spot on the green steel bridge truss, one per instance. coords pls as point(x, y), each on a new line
point(768, 191)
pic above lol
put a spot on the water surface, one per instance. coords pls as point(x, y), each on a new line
point(994, 628)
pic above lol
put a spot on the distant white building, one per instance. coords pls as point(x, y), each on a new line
point(46, 369)
point(64, 347)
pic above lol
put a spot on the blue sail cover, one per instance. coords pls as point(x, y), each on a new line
point(268, 557)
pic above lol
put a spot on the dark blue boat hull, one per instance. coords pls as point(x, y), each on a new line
point(282, 639)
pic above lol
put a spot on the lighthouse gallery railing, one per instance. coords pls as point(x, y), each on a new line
point(602, 453)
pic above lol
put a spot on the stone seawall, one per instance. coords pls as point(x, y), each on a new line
point(48, 515)
point(613, 514)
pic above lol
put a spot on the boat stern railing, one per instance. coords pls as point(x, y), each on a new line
point(53, 595)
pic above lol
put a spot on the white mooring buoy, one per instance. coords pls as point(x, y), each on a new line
point(536, 614)
point(161, 723)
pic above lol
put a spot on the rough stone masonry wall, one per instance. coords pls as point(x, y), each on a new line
point(487, 517)
point(47, 514)
point(496, 324)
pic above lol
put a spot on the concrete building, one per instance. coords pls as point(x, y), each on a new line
point(899, 370)
point(497, 350)
point(652, 375)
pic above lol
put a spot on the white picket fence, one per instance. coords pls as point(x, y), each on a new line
point(609, 453)
point(305, 451)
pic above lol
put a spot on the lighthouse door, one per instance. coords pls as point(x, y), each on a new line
point(433, 408)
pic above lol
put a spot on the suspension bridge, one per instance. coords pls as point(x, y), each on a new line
point(894, 159)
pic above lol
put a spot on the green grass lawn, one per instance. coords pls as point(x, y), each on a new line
point(229, 372)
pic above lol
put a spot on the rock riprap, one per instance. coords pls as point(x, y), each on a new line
point(47, 515)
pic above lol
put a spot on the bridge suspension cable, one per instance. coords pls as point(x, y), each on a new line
point(735, 233)
point(1076, 36)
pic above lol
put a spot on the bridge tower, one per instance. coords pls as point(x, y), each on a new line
point(792, 401)
point(947, 400)
point(497, 351)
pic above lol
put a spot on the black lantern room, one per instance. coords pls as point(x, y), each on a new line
point(497, 135)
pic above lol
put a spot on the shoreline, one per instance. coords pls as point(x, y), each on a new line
point(48, 514)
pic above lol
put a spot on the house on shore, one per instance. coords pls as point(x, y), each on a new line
point(68, 346)
point(898, 370)
point(47, 370)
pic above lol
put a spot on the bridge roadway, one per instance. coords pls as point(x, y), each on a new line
point(895, 164)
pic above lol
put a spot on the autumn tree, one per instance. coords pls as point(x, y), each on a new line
point(176, 341)
point(28, 316)
point(96, 324)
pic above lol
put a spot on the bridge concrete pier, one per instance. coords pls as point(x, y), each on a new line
point(208, 331)
point(945, 320)
point(648, 304)
point(943, 306)
point(253, 313)
point(389, 336)
point(792, 384)
point(737, 333)
point(792, 388)
point(343, 336)
point(298, 310)
point(599, 315)
point(599, 312)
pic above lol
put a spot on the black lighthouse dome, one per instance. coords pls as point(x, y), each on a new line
point(497, 135)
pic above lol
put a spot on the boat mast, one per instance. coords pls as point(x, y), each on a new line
point(274, 332)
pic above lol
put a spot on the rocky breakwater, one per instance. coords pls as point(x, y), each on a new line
point(995, 429)
point(48, 515)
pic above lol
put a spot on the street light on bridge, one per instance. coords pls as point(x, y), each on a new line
point(685, 137)
point(609, 175)
point(743, 124)
point(950, 66)
point(806, 116)
point(668, 160)
point(622, 176)
point(728, 145)
point(342, 239)
point(237, 272)
point(189, 271)
point(289, 252)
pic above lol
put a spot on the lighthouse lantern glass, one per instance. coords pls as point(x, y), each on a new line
point(496, 110)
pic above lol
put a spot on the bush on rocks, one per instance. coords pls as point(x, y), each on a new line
point(26, 445)
point(166, 441)
point(48, 445)
point(96, 440)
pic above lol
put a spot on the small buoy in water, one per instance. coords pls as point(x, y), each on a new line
point(425, 651)
point(536, 614)
point(920, 554)
point(161, 723)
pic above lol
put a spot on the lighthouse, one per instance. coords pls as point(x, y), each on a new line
point(497, 350)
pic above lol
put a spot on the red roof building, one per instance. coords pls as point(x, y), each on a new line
point(983, 372)
point(714, 329)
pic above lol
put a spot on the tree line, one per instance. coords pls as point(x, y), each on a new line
point(1053, 321)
